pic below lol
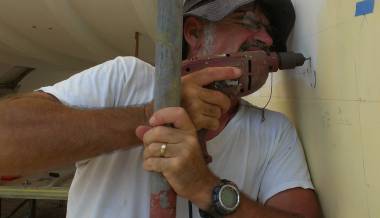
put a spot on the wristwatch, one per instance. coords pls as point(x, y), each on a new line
point(225, 200)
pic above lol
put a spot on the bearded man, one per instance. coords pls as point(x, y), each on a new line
point(91, 119)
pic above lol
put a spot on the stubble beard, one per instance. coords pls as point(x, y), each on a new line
point(209, 38)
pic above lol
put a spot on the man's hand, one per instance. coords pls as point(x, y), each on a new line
point(182, 164)
point(205, 106)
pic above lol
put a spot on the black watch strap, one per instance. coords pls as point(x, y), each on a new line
point(212, 213)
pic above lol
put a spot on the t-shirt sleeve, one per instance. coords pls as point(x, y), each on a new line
point(287, 167)
point(123, 81)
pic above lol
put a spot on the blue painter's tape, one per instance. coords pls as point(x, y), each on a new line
point(365, 7)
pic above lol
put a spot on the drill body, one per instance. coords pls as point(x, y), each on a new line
point(255, 67)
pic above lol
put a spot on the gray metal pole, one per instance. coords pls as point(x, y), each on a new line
point(167, 91)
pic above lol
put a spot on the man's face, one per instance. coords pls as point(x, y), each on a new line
point(246, 29)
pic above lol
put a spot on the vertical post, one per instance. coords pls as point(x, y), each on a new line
point(33, 203)
point(137, 44)
point(167, 91)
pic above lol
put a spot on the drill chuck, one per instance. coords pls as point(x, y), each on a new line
point(290, 60)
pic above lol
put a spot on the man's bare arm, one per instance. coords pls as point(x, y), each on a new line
point(292, 203)
point(37, 132)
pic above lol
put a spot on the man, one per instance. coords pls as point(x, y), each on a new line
point(91, 119)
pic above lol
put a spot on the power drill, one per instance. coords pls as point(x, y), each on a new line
point(255, 67)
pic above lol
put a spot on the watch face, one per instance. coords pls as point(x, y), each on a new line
point(229, 197)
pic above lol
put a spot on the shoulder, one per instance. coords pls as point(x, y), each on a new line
point(128, 64)
point(268, 130)
point(118, 70)
point(130, 61)
point(119, 66)
point(111, 83)
point(273, 129)
point(276, 131)
point(264, 117)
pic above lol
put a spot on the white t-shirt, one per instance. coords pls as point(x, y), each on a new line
point(262, 158)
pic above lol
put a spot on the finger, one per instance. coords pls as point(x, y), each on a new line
point(205, 122)
point(211, 111)
point(158, 165)
point(216, 98)
point(172, 115)
point(211, 74)
point(154, 151)
point(199, 107)
point(141, 130)
point(163, 134)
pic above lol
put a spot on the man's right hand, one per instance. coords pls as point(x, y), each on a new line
point(205, 106)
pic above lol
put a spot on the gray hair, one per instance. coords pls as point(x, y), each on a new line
point(209, 38)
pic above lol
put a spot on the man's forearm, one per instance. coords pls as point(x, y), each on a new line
point(251, 209)
point(247, 208)
point(37, 133)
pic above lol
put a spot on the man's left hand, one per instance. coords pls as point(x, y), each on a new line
point(182, 163)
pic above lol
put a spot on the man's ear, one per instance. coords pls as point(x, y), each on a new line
point(193, 32)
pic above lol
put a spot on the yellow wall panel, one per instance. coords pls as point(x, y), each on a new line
point(368, 57)
point(338, 121)
point(329, 129)
point(370, 121)
point(336, 74)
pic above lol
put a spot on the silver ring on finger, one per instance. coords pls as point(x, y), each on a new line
point(163, 150)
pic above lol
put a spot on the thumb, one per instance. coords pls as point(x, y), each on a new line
point(141, 130)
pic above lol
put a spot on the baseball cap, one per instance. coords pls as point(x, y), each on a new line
point(280, 13)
